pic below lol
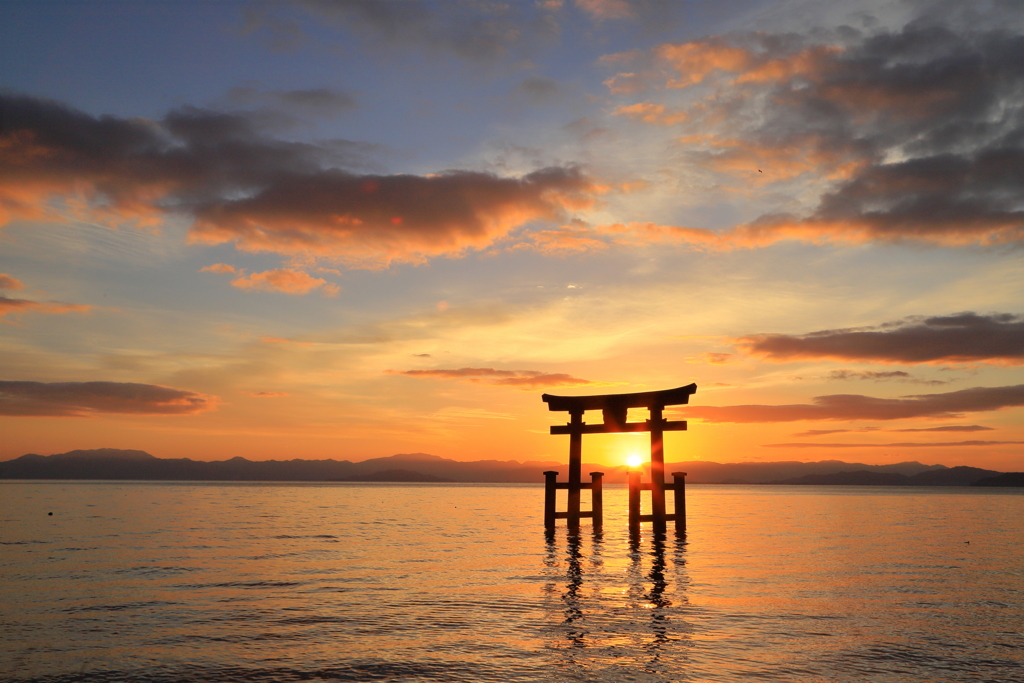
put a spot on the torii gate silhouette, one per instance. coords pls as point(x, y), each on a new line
point(614, 408)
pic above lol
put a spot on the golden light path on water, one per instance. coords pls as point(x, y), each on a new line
point(287, 582)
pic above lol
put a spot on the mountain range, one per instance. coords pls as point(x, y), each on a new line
point(117, 464)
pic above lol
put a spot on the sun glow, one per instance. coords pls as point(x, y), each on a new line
point(634, 460)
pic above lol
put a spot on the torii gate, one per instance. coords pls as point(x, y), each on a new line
point(614, 407)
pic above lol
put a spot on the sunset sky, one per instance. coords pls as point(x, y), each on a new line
point(348, 229)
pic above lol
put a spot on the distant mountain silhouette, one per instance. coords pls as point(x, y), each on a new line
point(858, 478)
point(1005, 479)
point(952, 476)
point(115, 464)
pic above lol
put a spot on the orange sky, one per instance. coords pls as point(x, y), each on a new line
point(357, 237)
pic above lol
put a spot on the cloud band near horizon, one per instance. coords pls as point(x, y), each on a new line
point(952, 404)
point(960, 338)
point(84, 399)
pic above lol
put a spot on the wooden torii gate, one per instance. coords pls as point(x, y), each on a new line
point(614, 408)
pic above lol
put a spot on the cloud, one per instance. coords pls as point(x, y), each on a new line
point(8, 282)
point(573, 238)
point(607, 9)
point(521, 379)
point(948, 428)
point(268, 394)
point(858, 407)
point(712, 358)
point(945, 428)
point(85, 399)
point(260, 193)
point(9, 305)
point(538, 90)
point(220, 268)
point(321, 102)
point(959, 338)
point(379, 219)
point(897, 375)
point(286, 281)
point(471, 30)
point(904, 444)
point(915, 134)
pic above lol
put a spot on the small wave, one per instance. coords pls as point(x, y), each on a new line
point(243, 584)
point(122, 606)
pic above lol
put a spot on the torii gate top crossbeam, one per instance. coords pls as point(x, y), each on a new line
point(620, 402)
point(614, 408)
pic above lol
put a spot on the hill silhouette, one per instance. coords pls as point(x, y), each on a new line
point(116, 464)
point(952, 476)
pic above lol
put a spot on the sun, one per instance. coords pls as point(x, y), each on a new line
point(634, 460)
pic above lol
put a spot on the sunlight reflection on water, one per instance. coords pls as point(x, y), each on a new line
point(283, 582)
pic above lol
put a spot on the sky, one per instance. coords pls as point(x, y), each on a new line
point(349, 229)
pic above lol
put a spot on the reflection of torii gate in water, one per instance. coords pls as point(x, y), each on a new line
point(614, 408)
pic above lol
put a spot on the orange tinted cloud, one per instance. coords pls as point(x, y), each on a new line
point(911, 135)
point(268, 394)
point(9, 305)
point(574, 238)
point(220, 268)
point(962, 338)
point(694, 61)
point(606, 9)
point(286, 281)
point(857, 407)
point(262, 194)
point(521, 379)
point(84, 399)
point(380, 219)
point(648, 112)
point(8, 282)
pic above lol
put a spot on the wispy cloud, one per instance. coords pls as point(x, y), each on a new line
point(10, 305)
point(520, 379)
point(944, 428)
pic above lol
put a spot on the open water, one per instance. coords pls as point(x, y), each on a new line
point(391, 582)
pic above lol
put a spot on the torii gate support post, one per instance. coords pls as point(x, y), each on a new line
point(575, 468)
point(679, 479)
point(550, 492)
point(657, 470)
point(634, 501)
point(597, 498)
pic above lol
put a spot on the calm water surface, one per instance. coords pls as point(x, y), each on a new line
point(365, 582)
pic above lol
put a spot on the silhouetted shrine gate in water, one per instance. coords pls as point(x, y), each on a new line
point(614, 408)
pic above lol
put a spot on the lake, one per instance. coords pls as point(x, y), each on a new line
point(457, 582)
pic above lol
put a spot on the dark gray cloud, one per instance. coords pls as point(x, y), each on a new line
point(276, 110)
point(919, 131)
point(83, 399)
point(538, 90)
point(472, 30)
point(262, 193)
point(847, 407)
point(964, 337)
